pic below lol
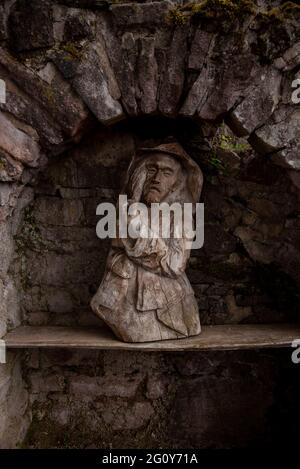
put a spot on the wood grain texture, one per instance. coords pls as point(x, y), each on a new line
point(224, 337)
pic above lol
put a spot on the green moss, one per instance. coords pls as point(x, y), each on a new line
point(223, 8)
point(30, 235)
point(290, 7)
point(49, 94)
point(228, 10)
point(177, 16)
point(23, 272)
point(223, 140)
point(230, 143)
point(29, 238)
point(73, 49)
point(217, 164)
point(282, 12)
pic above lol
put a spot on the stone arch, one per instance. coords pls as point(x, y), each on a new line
point(70, 70)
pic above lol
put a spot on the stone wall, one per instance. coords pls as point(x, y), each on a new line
point(154, 400)
point(132, 399)
point(59, 258)
point(165, 68)
point(251, 228)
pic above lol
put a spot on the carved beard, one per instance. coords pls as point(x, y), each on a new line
point(152, 196)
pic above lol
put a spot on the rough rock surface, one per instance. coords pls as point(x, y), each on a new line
point(153, 400)
point(249, 206)
point(72, 67)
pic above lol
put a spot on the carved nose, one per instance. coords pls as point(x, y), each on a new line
point(156, 179)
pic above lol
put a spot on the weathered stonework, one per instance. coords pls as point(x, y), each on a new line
point(138, 400)
point(84, 64)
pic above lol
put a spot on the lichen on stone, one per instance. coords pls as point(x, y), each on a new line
point(30, 234)
point(177, 17)
point(227, 9)
point(282, 12)
point(73, 49)
point(223, 8)
point(227, 141)
point(49, 94)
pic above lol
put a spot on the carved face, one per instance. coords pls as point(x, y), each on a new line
point(162, 173)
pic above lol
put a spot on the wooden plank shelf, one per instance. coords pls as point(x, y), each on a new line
point(224, 337)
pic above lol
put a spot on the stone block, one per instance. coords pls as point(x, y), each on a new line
point(127, 416)
point(141, 13)
point(173, 78)
point(261, 100)
point(92, 78)
point(280, 136)
point(26, 109)
point(58, 212)
point(10, 169)
point(17, 143)
point(157, 386)
point(54, 95)
point(42, 383)
point(106, 386)
point(31, 25)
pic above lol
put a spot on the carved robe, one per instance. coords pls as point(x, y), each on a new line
point(145, 294)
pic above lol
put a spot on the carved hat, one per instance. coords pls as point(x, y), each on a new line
point(174, 149)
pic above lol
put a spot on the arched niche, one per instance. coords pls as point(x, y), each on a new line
point(77, 74)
